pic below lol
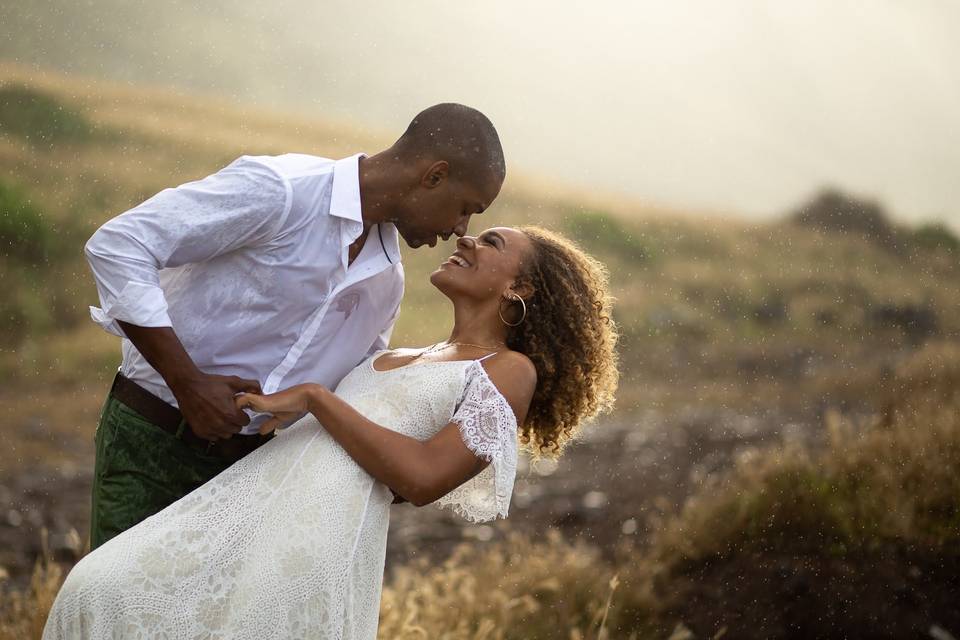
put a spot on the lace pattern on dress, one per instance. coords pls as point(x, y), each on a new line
point(488, 427)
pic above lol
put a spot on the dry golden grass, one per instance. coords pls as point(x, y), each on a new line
point(23, 614)
point(890, 478)
point(515, 589)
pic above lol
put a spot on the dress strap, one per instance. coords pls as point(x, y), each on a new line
point(487, 356)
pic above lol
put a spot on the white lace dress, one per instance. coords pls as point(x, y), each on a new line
point(290, 541)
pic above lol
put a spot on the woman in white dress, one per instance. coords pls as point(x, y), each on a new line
point(290, 541)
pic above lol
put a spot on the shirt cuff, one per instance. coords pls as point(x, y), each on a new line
point(139, 303)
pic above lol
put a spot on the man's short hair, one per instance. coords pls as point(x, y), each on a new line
point(462, 136)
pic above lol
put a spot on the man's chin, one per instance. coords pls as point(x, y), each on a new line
point(416, 243)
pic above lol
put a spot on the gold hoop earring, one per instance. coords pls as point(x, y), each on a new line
point(522, 317)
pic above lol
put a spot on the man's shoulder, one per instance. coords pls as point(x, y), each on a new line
point(290, 165)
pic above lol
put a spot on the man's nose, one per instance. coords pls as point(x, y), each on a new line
point(461, 229)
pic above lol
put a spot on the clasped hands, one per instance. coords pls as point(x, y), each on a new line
point(213, 405)
point(285, 406)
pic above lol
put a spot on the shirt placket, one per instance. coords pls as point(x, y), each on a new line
point(362, 271)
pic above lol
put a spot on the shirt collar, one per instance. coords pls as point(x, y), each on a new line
point(345, 203)
point(345, 195)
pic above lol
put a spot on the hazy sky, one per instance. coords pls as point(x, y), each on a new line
point(742, 106)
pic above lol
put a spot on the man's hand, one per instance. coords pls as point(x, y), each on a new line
point(206, 400)
point(207, 403)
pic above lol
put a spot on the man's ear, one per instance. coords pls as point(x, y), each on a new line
point(435, 174)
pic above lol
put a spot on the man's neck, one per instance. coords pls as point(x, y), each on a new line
point(357, 245)
point(374, 192)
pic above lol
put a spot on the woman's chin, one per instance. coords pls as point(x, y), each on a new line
point(441, 271)
point(441, 280)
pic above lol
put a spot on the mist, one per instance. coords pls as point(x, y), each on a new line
point(740, 108)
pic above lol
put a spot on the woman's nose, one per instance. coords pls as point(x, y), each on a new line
point(466, 242)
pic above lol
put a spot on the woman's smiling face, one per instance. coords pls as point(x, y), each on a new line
point(484, 266)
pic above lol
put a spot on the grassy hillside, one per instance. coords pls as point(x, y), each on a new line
point(820, 323)
point(714, 311)
point(75, 153)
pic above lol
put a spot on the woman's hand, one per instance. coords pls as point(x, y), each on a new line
point(285, 406)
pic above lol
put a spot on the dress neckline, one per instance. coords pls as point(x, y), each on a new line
point(376, 356)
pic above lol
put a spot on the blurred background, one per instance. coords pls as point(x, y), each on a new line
point(772, 186)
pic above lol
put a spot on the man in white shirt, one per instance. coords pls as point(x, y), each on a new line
point(274, 271)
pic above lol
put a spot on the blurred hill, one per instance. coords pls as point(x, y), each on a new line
point(702, 299)
point(739, 343)
point(637, 98)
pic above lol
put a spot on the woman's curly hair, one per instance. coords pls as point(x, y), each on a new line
point(569, 335)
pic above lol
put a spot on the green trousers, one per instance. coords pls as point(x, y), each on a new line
point(139, 470)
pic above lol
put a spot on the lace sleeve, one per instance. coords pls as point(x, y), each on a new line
point(489, 429)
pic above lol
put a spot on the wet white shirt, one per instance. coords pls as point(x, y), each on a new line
point(250, 268)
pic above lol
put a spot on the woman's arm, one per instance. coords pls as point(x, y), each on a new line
point(419, 470)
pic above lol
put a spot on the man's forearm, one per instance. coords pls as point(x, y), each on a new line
point(163, 350)
point(206, 401)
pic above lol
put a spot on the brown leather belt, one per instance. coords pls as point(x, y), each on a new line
point(170, 419)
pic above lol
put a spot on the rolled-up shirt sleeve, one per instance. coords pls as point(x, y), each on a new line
point(243, 204)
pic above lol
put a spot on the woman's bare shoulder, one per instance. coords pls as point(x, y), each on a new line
point(515, 376)
point(512, 364)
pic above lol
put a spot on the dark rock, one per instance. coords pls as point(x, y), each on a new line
point(834, 211)
point(917, 322)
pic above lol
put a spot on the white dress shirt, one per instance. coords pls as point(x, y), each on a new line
point(250, 268)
